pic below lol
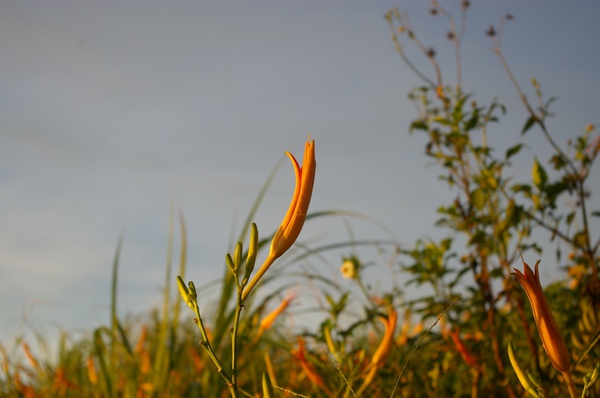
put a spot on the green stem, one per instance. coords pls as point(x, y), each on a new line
point(234, 334)
point(366, 293)
point(206, 344)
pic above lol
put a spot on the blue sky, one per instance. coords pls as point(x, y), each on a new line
point(112, 111)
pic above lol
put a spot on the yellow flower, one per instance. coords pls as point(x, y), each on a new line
point(290, 227)
point(550, 335)
point(349, 268)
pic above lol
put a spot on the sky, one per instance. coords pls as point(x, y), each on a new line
point(113, 113)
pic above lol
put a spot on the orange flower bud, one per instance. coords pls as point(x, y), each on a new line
point(292, 224)
point(550, 335)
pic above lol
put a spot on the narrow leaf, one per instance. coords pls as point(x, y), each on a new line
point(528, 124)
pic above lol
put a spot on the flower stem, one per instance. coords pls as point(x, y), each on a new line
point(570, 384)
point(206, 344)
point(234, 334)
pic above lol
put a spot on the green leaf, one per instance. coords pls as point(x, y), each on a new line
point(330, 300)
point(558, 162)
point(493, 107)
point(418, 125)
point(538, 174)
point(549, 102)
point(497, 273)
point(528, 124)
point(472, 122)
point(478, 198)
point(445, 244)
point(521, 188)
point(580, 239)
point(478, 239)
point(513, 150)
point(342, 303)
point(555, 189)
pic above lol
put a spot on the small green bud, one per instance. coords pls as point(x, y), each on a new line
point(182, 289)
point(192, 290)
point(589, 379)
point(188, 294)
point(252, 251)
point(230, 263)
point(237, 256)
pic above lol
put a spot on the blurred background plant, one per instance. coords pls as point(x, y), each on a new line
point(451, 341)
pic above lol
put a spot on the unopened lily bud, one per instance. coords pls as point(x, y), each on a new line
point(237, 256)
point(186, 293)
point(182, 288)
point(230, 263)
point(252, 250)
point(552, 340)
point(192, 290)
